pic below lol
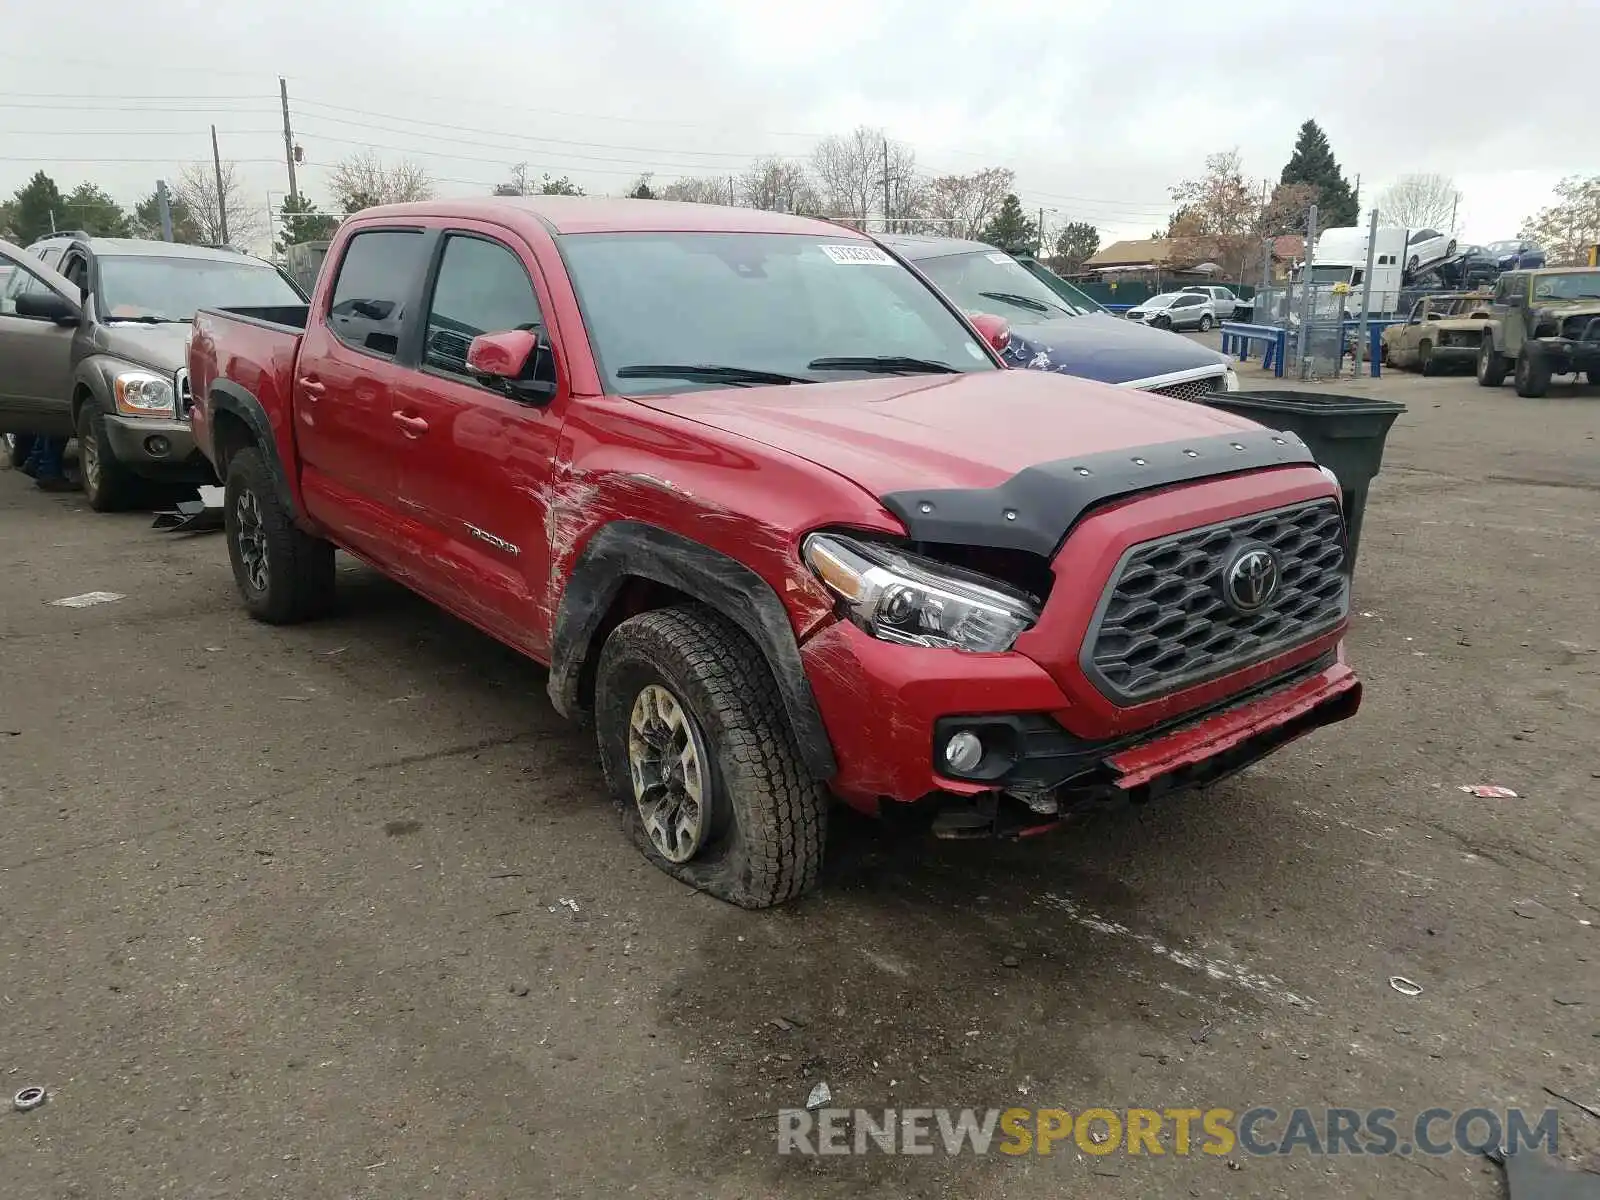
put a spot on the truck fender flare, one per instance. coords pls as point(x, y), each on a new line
point(93, 375)
point(623, 549)
point(1491, 330)
point(227, 396)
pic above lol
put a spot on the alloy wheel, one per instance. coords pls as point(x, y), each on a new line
point(252, 538)
point(668, 762)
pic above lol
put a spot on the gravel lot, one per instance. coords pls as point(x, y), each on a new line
point(283, 911)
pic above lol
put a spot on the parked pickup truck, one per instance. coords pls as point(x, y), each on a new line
point(779, 521)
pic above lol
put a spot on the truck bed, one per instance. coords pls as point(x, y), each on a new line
point(282, 316)
point(245, 358)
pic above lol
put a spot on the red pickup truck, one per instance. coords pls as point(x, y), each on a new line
point(779, 522)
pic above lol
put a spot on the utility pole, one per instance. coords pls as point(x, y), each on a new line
point(1366, 289)
point(222, 199)
point(288, 141)
point(1303, 341)
point(886, 185)
point(731, 201)
point(164, 207)
point(1455, 199)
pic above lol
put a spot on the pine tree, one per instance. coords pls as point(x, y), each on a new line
point(1313, 163)
point(1010, 228)
point(37, 208)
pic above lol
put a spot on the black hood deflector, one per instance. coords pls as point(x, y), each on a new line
point(1034, 509)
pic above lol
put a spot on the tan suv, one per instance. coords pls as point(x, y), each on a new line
point(93, 334)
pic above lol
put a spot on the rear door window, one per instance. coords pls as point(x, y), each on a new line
point(376, 279)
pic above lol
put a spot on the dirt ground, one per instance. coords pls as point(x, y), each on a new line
point(283, 912)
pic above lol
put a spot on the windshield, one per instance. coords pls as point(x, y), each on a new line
point(1333, 274)
point(1505, 247)
point(756, 304)
point(164, 288)
point(1579, 285)
point(1164, 300)
point(994, 282)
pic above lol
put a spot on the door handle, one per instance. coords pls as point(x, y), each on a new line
point(311, 386)
point(414, 426)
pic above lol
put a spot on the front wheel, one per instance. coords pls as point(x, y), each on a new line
point(1425, 362)
point(1162, 322)
point(1414, 263)
point(108, 485)
point(1533, 373)
point(1205, 322)
point(283, 573)
point(1491, 365)
point(701, 761)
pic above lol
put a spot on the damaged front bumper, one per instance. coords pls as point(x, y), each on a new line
point(1038, 773)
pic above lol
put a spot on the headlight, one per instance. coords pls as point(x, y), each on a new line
point(141, 394)
point(900, 597)
point(1230, 380)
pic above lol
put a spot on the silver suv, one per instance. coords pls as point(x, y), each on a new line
point(94, 334)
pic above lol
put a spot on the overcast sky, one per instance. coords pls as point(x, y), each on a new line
point(1099, 107)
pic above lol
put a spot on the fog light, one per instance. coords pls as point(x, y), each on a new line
point(963, 752)
point(157, 446)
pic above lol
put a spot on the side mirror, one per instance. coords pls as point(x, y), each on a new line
point(47, 306)
point(995, 330)
point(506, 360)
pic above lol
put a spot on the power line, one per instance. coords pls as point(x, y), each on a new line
point(301, 104)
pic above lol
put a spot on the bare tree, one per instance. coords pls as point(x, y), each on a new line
point(849, 173)
point(962, 205)
point(779, 185)
point(696, 189)
point(1420, 202)
point(1217, 217)
point(212, 209)
point(1567, 229)
point(906, 194)
point(362, 181)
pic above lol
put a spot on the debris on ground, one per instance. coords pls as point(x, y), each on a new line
point(568, 902)
point(820, 1095)
point(1588, 1108)
point(29, 1098)
point(1486, 791)
point(1531, 1176)
point(782, 1023)
point(1405, 986)
point(88, 599)
point(519, 989)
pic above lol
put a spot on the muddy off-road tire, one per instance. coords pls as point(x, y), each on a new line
point(1533, 373)
point(691, 728)
point(284, 574)
point(1491, 365)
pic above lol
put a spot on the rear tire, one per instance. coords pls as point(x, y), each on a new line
point(1533, 373)
point(108, 485)
point(1206, 322)
point(1491, 365)
point(283, 573)
point(757, 819)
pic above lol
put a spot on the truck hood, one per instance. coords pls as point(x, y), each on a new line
point(947, 431)
point(161, 348)
point(1110, 349)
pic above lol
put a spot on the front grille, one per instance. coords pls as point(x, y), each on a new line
point(1192, 389)
point(185, 394)
point(1163, 623)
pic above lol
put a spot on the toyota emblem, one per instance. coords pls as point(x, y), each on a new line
point(1250, 580)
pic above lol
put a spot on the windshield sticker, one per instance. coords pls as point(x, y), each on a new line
point(998, 257)
point(858, 255)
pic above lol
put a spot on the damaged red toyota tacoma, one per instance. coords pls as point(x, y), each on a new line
point(778, 521)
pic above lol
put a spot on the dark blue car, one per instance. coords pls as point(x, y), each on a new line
point(1058, 328)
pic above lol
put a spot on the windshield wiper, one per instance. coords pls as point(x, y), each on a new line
point(882, 364)
point(153, 320)
point(708, 373)
point(1027, 302)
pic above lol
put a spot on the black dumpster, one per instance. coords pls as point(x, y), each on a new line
point(1344, 433)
